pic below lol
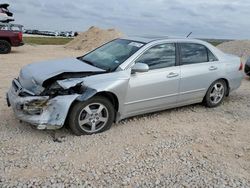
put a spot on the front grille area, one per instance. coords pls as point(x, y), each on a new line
point(20, 91)
point(15, 86)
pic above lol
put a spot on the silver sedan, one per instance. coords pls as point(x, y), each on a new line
point(123, 78)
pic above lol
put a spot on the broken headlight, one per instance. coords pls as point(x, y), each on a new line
point(35, 107)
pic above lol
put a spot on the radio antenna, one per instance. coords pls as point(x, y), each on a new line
point(189, 34)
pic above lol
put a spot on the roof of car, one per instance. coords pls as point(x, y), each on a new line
point(142, 39)
point(154, 39)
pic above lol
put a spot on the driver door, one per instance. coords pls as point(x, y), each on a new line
point(159, 87)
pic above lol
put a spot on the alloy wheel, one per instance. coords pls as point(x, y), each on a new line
point(93, 117)
point(217, 93)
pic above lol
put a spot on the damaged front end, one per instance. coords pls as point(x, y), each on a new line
point(38, 97)
point(43, 111)
point(43, 96)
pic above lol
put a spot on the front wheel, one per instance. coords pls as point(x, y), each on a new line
point(215, 94)
point(90, 117)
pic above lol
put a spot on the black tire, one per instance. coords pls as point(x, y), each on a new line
point(247, 68)
point(78, 109)
point(208, 100)
point(5, 47)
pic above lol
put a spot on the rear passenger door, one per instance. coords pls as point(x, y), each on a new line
point(199, 68)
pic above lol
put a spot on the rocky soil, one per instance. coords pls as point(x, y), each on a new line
point(240, 48)
point(191, 146)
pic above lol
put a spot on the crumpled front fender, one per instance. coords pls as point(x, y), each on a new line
point(88, 93)
point(115, 83)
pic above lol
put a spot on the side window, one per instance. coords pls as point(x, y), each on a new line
point(193, 53)
point(211, 56)
point(159, 56)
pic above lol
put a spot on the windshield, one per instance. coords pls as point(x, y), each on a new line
point(112, 54)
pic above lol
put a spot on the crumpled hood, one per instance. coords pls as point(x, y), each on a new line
point(35, 74)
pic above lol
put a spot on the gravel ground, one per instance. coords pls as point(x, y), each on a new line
point(191, 146)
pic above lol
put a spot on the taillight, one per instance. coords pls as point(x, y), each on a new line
point(20, 36)
point(241, 66)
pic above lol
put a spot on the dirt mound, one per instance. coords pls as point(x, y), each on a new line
point(240, 48)
point(93, 38)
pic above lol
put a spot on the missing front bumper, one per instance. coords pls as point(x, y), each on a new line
point(53, 114)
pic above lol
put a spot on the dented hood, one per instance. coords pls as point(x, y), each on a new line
point(37, 73)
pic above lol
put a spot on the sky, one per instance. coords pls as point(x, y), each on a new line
point(228, 19)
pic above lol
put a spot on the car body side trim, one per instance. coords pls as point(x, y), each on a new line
point(164, 96)
point(153, 98)
point(193, 91)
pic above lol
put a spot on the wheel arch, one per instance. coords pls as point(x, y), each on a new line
point(6, 39)
point(92, 93)
point(111, 97)
point(208, 104)
point(227, 84)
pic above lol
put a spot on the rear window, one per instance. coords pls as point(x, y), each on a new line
point(195, 53)
point(211, 56)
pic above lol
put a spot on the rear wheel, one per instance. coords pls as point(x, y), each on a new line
point(247, 69)
point(5, 47)
point(90, 117)
point(215, 94)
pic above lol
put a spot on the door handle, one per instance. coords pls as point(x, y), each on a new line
point(212, 68)
point(172, 74)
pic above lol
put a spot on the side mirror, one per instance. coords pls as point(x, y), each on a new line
point(139, 67)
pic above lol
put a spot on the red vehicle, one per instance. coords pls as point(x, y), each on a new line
point(9, 38)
